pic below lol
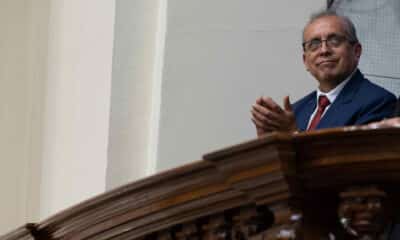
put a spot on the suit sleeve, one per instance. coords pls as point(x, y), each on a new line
point(377, 109)
point(397, 111)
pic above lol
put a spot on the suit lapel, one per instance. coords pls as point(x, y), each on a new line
point(304, 115)
point(335, 115)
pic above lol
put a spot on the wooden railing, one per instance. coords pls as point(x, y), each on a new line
point(330, 184)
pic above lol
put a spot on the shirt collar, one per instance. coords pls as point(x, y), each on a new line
point(332, 94)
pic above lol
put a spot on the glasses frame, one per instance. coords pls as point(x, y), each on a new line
point(341, 39)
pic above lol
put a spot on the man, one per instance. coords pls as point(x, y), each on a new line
point(331, 53)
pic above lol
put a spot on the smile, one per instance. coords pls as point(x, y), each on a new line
point(326, 62)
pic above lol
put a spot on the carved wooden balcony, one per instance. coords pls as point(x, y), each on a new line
point(329, 184)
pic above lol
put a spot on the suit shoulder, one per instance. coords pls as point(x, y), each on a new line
point(371, 90)
point(304, 100)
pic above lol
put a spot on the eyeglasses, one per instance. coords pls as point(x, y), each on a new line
point(333, 40)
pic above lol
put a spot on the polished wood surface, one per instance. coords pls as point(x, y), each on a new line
point(23, 233)
point(281, 186)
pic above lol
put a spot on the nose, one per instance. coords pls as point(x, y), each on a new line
point(324, 47)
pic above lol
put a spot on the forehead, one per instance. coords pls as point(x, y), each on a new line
point(324, 26)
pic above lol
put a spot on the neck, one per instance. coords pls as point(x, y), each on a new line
point(326, 86)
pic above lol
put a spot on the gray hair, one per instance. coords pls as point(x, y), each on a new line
point(348, 25)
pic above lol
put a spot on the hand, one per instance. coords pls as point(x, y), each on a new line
point(268, 116)
point(386, 123)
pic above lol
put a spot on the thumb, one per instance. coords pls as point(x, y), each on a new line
point(286, 104)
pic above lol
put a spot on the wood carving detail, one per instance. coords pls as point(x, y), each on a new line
point(251, 221)
point(250, 191)
point(362, 212)
point(287, 225)
point(236, 224)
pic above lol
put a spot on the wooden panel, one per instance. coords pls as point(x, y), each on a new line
point(22, 233)
point(276, 187)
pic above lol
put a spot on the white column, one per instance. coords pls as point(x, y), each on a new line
point(77, 102)
point(36, 74)
point(14, 113)
point(138, 54)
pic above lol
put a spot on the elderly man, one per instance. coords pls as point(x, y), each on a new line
point(331, 53)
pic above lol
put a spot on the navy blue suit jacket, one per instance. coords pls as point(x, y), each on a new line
point(359, 102)
point(397, 111)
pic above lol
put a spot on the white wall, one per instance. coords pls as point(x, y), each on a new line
point(220, 56)
point(77, 101)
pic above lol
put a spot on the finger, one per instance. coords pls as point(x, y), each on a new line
point(260, 109)
point(272, 105)
point(262, 126)
point(265, 122)
point(264, 109)
point(270, 114)
point(258, 115)
point(269, 117)
point(265, 128)
point(392, 122)
point(258, 123)
point(259, 100)
point(268, 123)
point(286, 104)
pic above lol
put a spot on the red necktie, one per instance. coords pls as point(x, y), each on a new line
point(323, 102)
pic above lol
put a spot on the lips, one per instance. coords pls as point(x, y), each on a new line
point(326, 62)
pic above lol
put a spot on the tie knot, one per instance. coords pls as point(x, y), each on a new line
point(323, 101)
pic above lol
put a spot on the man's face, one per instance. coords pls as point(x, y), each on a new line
point(330, 64)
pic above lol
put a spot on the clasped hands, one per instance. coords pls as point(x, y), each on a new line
point(268, 116)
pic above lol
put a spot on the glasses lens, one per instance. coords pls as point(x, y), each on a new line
point(314, 44)
point(335, 40)
point(331, 41)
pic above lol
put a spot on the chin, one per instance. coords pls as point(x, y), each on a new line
point(332, 79)
point(327, 76)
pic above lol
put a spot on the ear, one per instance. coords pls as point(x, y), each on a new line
point(304, 61)
point(358, 50)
